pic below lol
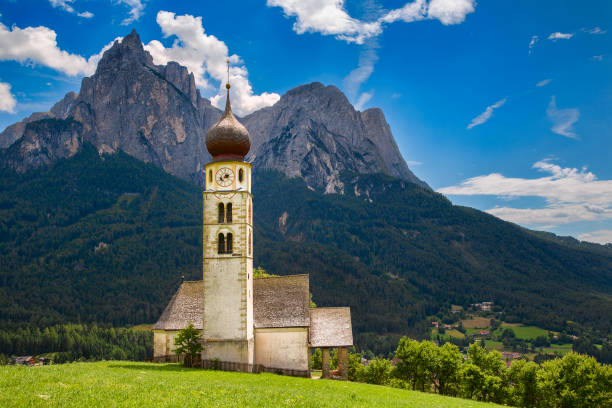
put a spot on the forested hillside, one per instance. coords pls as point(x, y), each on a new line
point(106, 239)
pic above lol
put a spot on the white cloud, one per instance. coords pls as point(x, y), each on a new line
point(86, 14)
point(7, 100)
point(571, 195)
point(543, 82)
point(66, 6)
point(562, 119)
point(597, 57)
point(354, 80)
point(486, 115)
point(63, 4)
point(600, 236)
point(363, 99)
point(532, 43)
point(136, 9)
point(560, 36)
point(450, 11)
point(413, 163)
point(329, 17)
point(38, 45)
point(205, 55)
point(596, 30)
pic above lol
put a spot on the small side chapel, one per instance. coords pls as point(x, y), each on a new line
point(246, 323)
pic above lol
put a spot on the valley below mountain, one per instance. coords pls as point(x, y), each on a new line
point(100, 214)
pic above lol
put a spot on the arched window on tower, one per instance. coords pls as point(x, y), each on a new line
point(228, 213)
point(240, 175)
point(221, 244)
point(210, 177)
point(229, 243)
point(221, 217)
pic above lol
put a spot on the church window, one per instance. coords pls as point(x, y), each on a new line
point(240, 175)
point(221, 244)
point(229, 248)
point(221, 217)
point(228, 213)
point(210, 176)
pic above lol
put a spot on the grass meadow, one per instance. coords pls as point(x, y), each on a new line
point(131, 384)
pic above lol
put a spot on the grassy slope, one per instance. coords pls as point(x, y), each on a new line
point(119, 384)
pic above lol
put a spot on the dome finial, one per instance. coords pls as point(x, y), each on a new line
point(227, 84)
point(228, 139)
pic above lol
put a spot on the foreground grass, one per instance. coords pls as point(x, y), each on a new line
point(128, 384)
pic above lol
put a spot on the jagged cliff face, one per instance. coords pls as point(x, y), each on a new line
point(156, 114)
point(314, 132)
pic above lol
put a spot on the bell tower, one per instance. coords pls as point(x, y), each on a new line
point(228, 243)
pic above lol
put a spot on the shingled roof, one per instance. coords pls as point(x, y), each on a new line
point(281, 301)
point(331, 327)
point(186, 306)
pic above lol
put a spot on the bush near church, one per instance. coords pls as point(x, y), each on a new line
point(188, 342)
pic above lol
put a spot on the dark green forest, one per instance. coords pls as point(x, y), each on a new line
point(105, 239)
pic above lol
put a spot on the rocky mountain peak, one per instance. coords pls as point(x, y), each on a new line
point(124, 54)
point(314, 132)
point(156, 114)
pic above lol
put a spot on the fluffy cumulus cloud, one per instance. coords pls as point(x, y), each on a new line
point(38, 45)
point(562, 120)
point(136, 9)
point(571, 195)
point(7, 100)
point(560, 36)
point(205, 56)
point(85, 14)
point(599, 236)
point(329, 17)
point(486, 115)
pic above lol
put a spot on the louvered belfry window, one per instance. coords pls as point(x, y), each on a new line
point(221, 244)
point(228, 213)
point(229, 243)
point(221, 218)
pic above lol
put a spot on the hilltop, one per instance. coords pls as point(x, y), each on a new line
point(120, 383)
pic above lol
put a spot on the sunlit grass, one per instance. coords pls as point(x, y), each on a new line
point(129, 384)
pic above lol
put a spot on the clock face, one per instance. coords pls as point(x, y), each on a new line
point(225, 176)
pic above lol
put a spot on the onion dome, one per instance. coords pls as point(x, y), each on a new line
point(228, 139)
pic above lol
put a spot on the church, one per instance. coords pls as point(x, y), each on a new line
point(246, 323)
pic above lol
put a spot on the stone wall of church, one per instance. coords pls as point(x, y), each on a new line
point(163, 342)
point(285, 347)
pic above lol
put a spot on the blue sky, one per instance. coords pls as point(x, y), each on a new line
point(502, 105)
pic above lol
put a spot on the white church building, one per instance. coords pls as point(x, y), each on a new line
point(246, 323)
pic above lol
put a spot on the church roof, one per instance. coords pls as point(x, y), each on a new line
point(281, 301)
point(278, 301)
point(186, 306)
point(330, 327)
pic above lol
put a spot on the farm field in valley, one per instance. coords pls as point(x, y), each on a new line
point(129, 384)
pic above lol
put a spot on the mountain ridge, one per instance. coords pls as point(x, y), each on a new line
point(156, 114)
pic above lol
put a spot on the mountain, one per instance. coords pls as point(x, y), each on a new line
point(314, 133)
point(155, 114)
point(100, 214)
point(106, 238)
